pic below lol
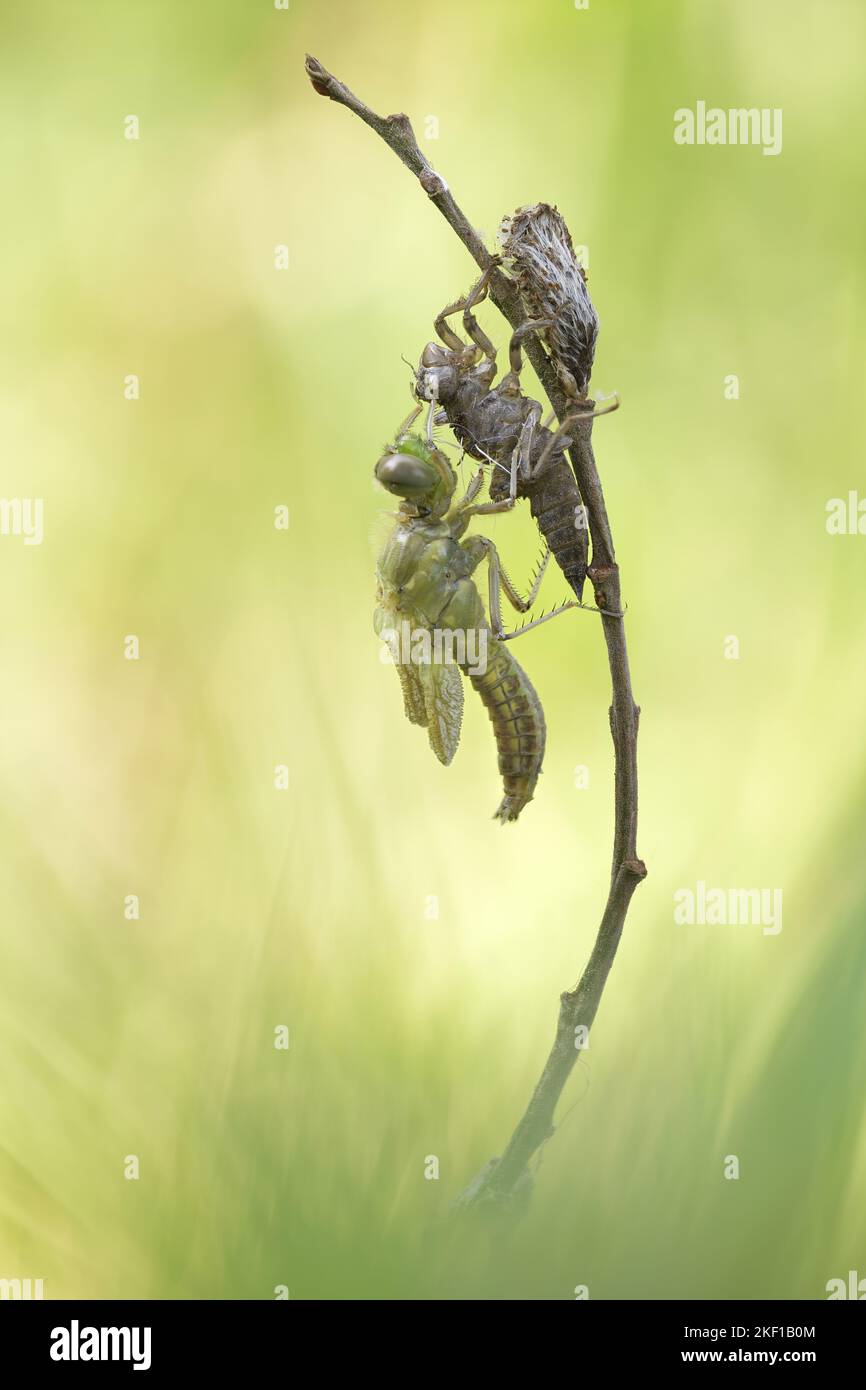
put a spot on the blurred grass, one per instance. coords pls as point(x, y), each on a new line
point(412, 1037)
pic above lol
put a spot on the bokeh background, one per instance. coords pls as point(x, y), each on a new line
point(410, 1034)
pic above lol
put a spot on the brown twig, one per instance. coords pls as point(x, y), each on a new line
point(501, 1177)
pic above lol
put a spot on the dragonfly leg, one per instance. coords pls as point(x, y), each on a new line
point(475, 295)
point(531, 325)
point(521, 463)
point(490, 508)
point(498, 582)
point(520, 604)
point(561, 439)
point(432, 411)
point(554, 613)
point(472, 491)
point(523, 605)
point(545, 618)
point(462, 512)
point(410, 418)
point(523, 451)
point(446, 333)
point(471, 324)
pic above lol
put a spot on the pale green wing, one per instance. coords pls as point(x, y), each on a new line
point(413, 693)
point(443, 699)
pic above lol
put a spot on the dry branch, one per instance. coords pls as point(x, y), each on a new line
point(578, 1007)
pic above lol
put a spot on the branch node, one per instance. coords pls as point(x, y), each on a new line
point(432, 183)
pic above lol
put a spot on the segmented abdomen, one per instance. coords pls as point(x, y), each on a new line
point(556, 507)
point(555, 504)
point(518, 724)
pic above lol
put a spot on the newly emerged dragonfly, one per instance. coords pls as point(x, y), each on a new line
point(502, 426)
point(431, 614)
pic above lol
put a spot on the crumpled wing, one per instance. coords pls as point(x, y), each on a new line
point(413, 693)
point(442, 685)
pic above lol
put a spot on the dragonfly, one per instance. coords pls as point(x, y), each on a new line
point(430, 612)
point(502, 426)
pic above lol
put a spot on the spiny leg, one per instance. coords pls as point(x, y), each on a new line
point(494, 582)
point(410, 419)
point(524, 605)
point(477, 548)
point(515, 356)
point(521, 462)
point(481, 343)
point(432, 411)
point(498, 582)
point(445, 331)
point(499, 577)
point(475, 485)
point(490, 508)
point(545, 618)
point(560, 437)
point(554, 613)
point(471, 324)
point(522, 458)
point(462, 512)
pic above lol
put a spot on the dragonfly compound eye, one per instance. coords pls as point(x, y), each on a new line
point(405, 475)
point(434, 356)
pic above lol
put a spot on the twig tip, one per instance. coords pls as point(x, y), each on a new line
point(317, 74)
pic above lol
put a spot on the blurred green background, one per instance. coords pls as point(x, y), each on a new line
point(414, 1035)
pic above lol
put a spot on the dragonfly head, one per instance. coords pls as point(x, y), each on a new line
point(438, 374)
point(419, 473)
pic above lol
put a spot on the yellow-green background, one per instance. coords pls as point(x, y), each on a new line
point(412, 1037)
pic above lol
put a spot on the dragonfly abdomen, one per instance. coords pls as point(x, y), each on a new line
point(518, 725)
point(556, 506)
